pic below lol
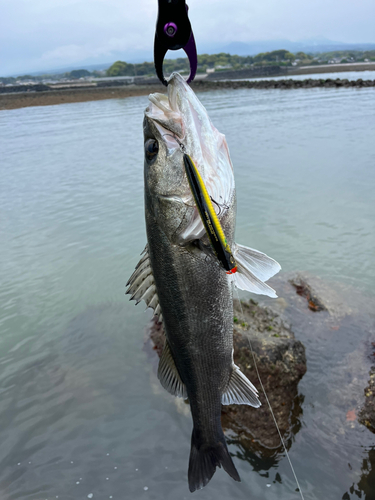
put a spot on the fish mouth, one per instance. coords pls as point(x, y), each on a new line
point(163, 110)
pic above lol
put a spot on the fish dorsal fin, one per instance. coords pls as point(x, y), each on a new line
point(169, 376)
point(254, 268)
point(141, 284)
point(240, 390)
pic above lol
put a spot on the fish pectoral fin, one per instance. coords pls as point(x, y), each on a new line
point(168, 374)
point(240, 390)
point(141, 284)
point(253, 268)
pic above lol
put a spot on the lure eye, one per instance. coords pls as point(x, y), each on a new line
point(151, 149)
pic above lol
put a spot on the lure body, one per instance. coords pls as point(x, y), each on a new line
point(209, 218)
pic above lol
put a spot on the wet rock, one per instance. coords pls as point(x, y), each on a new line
point(281, 362)
point(288, 83)
point(338, 308)
point(35, 87)
point(305, 290)
point(367, 414)
point(337, 299)
point(325, 316)
point(365, 486)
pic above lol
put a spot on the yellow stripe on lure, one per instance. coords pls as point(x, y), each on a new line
point(209, 218)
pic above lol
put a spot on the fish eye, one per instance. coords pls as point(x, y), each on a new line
point(151, 149)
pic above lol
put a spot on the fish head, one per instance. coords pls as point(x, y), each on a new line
point(175, 124)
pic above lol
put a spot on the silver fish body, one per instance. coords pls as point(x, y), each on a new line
point(180, 278)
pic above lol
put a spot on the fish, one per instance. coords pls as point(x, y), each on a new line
point(180, 277)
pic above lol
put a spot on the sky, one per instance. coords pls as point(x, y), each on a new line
point(37, 35)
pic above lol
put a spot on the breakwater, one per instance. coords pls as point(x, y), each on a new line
point(43, 95)
point(282, 84)
point(255, 72)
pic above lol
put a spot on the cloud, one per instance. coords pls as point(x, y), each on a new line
point(73, 53)
point(62, 32)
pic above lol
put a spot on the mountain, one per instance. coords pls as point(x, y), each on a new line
point(312, 45)
point(309, 46)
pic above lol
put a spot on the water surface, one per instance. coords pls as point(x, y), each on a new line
point(81, 410)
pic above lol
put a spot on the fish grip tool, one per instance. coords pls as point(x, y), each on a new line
point(174, 32)
point(209, 218)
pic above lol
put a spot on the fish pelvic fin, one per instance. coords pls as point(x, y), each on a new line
point(253, 269)
point(240, 390)
point(205, 457)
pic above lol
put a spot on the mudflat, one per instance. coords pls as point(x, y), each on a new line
point(81, 94)
point(47, 98)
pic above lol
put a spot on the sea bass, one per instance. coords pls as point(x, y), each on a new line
point(181, 279)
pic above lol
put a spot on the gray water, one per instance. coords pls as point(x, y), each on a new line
point(81, 410)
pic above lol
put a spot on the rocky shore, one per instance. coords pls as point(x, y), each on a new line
point(283, 84)
point(281, 363)
point(367, 413)
point(309, 311)
point(44, 96)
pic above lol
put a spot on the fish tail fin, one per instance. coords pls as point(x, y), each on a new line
point(205, 457)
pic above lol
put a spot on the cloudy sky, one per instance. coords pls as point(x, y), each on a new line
point(46, 34)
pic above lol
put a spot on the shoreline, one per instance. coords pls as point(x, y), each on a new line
point(16, 100)
point(65, 96)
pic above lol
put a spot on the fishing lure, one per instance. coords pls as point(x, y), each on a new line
point(209, 218)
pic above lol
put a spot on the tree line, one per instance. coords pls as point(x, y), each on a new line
point(216, 62)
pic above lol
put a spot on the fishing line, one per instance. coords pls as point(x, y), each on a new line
point(269, 404)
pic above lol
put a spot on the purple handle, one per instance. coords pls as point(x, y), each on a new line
point(191, 51)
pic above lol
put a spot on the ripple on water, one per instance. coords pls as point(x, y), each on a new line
point(79, 397)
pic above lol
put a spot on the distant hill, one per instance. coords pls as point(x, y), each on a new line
point(67, 69)
point(309, 46)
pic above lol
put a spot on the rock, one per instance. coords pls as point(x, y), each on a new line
point(208, 84)
point(305, 290)
point(322, 314)
point(337, 299)
point(367, 414)
point(281, 363)
point(364, 488)
point(340, 307)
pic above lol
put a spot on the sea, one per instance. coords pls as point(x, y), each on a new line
point(82, 413)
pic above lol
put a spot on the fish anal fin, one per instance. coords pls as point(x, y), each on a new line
point(240, 390)
point(168, 374)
